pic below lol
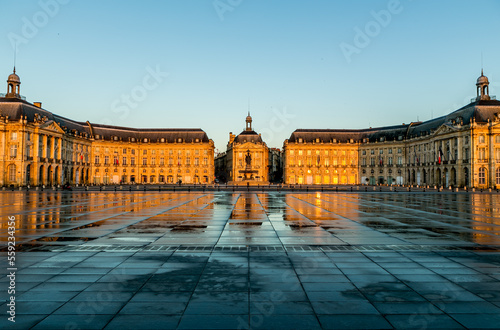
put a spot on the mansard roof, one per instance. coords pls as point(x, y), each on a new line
point(248, 136)
point(480, 111)
point(16, 109)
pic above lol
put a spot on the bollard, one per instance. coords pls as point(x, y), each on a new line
point(129, 188)
point(100, 188)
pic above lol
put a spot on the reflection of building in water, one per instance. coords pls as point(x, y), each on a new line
point(459, 149)
point(39, 147)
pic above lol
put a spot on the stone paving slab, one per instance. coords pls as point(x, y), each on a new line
point(363, 282)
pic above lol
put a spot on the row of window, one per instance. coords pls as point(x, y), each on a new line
point(310, 152)
point(124, 161)
point(171, 152)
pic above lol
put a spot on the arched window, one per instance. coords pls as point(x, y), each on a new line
point(482, 175)
point(498, 176)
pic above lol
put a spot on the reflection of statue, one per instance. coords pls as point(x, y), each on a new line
point(248, 158)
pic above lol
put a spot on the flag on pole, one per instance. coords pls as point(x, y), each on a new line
point(440, 157)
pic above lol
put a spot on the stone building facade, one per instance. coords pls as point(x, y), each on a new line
point(461, 149)
point(246, 159)
point(38, 147)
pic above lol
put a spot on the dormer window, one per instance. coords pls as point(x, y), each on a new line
point(179, 140)
point(300, 140)
point(115, 138)
point(197, 140)
point(162, 140)
point(145, 140)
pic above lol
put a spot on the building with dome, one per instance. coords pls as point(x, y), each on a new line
point(38, 147)
point(461, 149)
point(246, 160)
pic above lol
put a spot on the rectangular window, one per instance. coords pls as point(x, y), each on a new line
point(13, 136)
point(292, 152)
point(106, 160)
point(188, 161)
point(12, 173)
point(162, 161)
point(115, 160)
point(400, 160)
point(96, 160)
point(390, 151)
point(144, 152)
point(153, 161)
point(196, 161)
point(144, 161)
point(170, 161)
point(124, 161)
point(390, 160)
point(482, 153)
point(132, 160)
point(124, 151)
point(13, 151)
point(205, 161)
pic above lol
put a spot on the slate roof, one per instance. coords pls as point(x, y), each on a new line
point(15, 108)
point(481, 111)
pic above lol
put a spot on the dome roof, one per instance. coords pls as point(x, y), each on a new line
point(482, 79)
point(13, 77)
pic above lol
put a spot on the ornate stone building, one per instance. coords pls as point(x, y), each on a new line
point(246, 159)
point(38, 147)
point(461, 149)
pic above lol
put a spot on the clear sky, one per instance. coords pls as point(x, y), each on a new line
point(295, 64)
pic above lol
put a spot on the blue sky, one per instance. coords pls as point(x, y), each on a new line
point(295, 64)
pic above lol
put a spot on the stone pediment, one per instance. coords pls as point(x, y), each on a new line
point(444, 129)
point(52, 126)
point(249, 145)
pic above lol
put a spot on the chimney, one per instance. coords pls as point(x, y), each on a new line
point(37, 104)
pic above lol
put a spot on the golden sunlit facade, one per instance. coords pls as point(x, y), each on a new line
point(42, 148)
point(461, 149)
point(246, 159)
point(315, 157)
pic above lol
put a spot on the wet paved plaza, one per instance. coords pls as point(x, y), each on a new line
point(221, 260)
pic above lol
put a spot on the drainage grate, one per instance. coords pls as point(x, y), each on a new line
point(257, 248)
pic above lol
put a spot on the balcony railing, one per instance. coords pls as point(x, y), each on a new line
point(16, 95)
